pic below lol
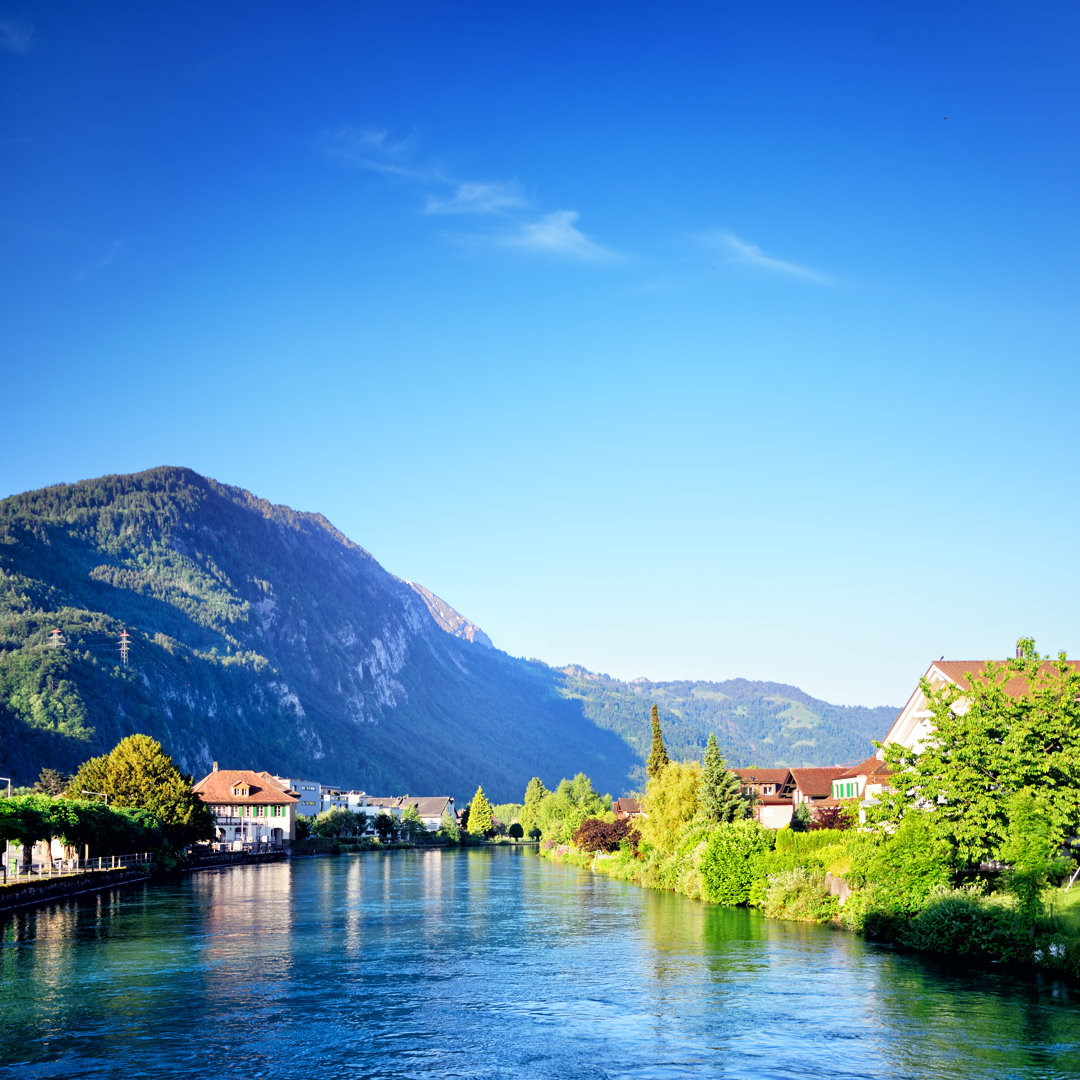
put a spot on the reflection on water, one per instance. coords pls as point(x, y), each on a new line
point(483, 963)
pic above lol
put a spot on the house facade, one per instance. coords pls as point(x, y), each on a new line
point(914, 724)
point(249, 807)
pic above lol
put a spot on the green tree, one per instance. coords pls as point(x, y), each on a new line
point(801, 818)
point(670, 804)
point(50, 782)
point(480, 817)
point(448, 826)
point(535, 793)
point(138, 773)
point(727, 866)
point(412, 824)
point(1032, 847)
point(720, 797)
point(385, 826)
point(564, 809)
point(658, 755)
point(988, 744)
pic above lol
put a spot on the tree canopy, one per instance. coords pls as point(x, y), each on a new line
point(990, 743)
point(138, 773)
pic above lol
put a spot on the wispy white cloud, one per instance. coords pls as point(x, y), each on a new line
point(373, 149)
point(556, 234)
point(16, 35)
point(477, 197)
point(444, 195)
point(103, 263)
point(747, 254)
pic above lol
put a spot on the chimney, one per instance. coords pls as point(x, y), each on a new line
point(215, 767)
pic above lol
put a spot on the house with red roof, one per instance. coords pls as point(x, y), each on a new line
point(249, 807)
point(913, 726)
point(772, 790)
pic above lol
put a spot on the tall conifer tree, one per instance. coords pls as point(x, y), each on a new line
point(720, 797)
point(658, 756)
point(480, 818)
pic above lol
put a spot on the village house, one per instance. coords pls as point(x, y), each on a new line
point(913, 726)
point(626, 808)
point(430, 807)
point(249, 807)
point(771, 789)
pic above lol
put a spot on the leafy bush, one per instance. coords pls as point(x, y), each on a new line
point(799, 894)
point(595, 834)
point(963, 923)
point(726, 865)
point(907, 868)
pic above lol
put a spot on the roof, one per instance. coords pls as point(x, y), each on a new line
point(429, 806)
point(263, 789)
point(627, 805)
point(761, 776)
point(774, 800)
point(872, 766)
point(1015, 685)
point(817, 783)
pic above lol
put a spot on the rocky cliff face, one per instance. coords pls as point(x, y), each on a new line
point(450, 620)
point(263, 638)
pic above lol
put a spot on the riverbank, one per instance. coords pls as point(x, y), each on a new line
point(854, 882)
point(24, 894)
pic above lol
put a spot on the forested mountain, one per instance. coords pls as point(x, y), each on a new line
point(261, 637)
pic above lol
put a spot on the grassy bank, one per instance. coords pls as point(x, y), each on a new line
point(902, 888)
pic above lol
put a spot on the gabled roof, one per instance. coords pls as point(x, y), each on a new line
point(911, 725)
point(627, 805)
point(429, 806)
point(761, 776)
point(871, 767)
point(1015, 685)
point(817, 782)
point(263, 789)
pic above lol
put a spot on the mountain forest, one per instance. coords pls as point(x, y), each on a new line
point(247, 633)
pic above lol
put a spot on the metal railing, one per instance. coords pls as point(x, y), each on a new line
point(55, 868)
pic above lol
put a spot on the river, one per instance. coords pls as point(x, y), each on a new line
point(489, 963)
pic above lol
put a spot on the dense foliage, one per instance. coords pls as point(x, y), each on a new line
point(988, 746)
point(79, 823)
point(596, 834)
point(137, 773)
point(720, 798)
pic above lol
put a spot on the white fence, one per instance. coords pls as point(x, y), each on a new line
point(54, 868)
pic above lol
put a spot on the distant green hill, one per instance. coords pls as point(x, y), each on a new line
point(262, 637)
point(756, 723)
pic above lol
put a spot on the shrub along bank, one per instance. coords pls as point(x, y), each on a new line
point(908, 878)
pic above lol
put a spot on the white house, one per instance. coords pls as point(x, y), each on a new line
point(250, 807)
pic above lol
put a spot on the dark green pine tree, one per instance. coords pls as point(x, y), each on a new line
point(720, 798)
point(658, 758)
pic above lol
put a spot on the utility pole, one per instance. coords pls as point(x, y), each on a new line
point(125, 644)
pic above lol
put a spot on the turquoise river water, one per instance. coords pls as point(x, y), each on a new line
point(489, 963)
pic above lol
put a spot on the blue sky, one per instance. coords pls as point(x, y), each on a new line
point(689, 341)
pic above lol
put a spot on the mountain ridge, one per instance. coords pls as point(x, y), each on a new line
point(264, 636)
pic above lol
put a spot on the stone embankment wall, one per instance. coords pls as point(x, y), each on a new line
point(28, 893)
